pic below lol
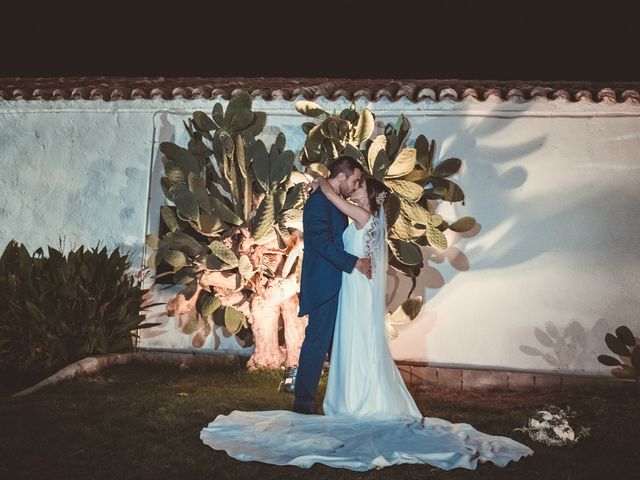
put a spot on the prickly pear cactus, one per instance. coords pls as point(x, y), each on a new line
point(626, 346)
point(412, 174)
point(231, 225)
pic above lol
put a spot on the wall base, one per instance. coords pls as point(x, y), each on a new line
point(420, 376)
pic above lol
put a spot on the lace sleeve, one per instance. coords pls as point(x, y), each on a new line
point(372, 236)
point(376, 248)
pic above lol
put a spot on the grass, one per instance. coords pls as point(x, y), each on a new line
point(134, 422)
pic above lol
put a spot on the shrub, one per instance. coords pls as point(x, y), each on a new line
point(58, 309)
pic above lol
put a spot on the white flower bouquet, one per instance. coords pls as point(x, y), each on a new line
point(552, 427)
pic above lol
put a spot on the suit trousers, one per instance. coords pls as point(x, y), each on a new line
point(317, 343)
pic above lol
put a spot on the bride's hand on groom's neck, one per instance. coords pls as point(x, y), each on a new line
point(322, 184)
point(313, 185)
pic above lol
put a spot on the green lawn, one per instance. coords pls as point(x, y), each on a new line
point(143, 422)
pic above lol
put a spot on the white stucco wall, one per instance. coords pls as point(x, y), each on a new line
point(553, 185)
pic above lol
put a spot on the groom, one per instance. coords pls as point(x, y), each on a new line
point(323, 262)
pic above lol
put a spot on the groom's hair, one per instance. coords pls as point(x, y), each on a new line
point(346, 165)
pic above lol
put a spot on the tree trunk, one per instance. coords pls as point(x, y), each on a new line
point(271, 298)
point(266, 351)
point(294, 327)
point(280, 295)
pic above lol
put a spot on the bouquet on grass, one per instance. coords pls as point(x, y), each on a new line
point(552, 427)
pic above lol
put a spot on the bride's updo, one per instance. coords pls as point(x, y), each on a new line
point(377, 193)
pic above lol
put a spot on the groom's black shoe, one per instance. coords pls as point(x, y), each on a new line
point(303, 410)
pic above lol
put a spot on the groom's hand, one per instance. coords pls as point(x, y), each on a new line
point(364, 265)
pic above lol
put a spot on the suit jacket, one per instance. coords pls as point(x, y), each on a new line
point(324, 257)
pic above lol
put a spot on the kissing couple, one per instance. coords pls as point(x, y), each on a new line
point(370, 419)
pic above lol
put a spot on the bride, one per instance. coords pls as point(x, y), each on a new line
point(370, 419)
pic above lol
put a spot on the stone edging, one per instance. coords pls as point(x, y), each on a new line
point(423, 377)
point(417, 375)
point(91, 365)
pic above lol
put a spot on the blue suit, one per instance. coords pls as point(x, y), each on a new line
point(323, 262)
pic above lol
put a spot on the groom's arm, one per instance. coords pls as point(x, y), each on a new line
point(319, 234)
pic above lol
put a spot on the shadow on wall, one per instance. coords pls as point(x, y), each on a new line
point(480, 167)
point(431, 277)
point(573, 348)
point(163, 131)
point(578, 207)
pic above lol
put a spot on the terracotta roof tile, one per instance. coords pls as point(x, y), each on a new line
point(132, 88)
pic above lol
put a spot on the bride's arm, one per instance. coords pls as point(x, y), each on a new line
point(359, 214)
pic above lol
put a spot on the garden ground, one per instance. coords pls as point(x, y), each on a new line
point(143, 422)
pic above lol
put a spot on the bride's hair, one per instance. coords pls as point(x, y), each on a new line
point(377, 193)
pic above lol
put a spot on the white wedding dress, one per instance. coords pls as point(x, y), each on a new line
point(371, 420)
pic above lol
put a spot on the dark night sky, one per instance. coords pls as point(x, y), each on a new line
point(493, 39)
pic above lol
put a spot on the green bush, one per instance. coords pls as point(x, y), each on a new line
point(58, 309)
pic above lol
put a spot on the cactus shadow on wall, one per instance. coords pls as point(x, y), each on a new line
point(489, 177)
point(581, 214)
point(163, 129)
point(570, 348)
